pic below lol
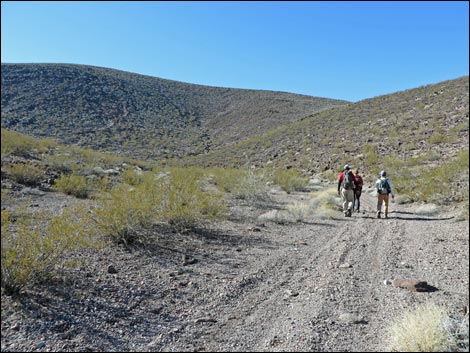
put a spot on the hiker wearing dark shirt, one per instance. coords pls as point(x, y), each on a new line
point(358, 191)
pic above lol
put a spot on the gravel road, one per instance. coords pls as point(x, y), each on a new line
point(246, 285)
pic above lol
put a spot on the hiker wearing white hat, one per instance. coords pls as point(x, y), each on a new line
point(384, 188)
point(346, 186)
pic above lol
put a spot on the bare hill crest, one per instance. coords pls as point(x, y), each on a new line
point(141, 116)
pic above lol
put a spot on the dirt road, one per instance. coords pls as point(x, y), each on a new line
point(320, 286)
point(246, 286)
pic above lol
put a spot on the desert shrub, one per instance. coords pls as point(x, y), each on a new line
point(75, 185)
point(277, 216)
point(299, 211)
point(403, 199)
point(184, 202)
point(19, 144)
point(325, 203)
point(132, 176)
point(124, 211)
point(226, 179)
point(427, 210)
point(36, 244)
point(25, 173)
point(427, 328)
point(371, 156)
point(431, 184)
point(253, 187)
point(176, 197)
point(440, 138)
point(290, 179)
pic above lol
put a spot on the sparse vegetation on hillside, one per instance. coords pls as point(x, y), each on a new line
point(419, 136)
point(177, 264)
point(141, 116)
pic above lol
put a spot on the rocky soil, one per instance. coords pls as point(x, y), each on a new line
point(246, 285)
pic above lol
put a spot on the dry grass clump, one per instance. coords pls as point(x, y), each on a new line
point(300, 211)
point(253, 187)
point(427, 328)
point(297, 212)
point(325, 203)
point(427, 210)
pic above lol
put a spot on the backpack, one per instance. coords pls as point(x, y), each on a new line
point(384, 187)
point(348, 180)
point(358, 184)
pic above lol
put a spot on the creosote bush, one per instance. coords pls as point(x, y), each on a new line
point(290, 180)
point(75, 185)
point(184, 202)
point(253, 187)
point(25, 173)
point(176, 198)
point(35, 244)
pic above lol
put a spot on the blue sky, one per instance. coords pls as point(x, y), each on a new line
point(345, 50)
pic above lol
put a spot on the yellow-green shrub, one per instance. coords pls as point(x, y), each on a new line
point(126, 210)
point(253, 187)
point(325, 203)
point(19, 144)
point(36, 244)
point(290, 179)
point(132, 176)
point(226, 179)
point(432, 184)
point(75, 185)
point(176, 198)
point(184, 203)
point(425, 328)
point(25, 173)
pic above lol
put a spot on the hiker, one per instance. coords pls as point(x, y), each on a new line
point(384, 189)
point(358, 191)
point(346, 181)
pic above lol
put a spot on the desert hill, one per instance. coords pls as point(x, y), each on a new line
point(430, 119)
point(101, 252)
point(142, 116)
point(418, 134)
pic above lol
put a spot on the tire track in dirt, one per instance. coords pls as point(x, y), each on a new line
point(319, 287)
point(278, 279)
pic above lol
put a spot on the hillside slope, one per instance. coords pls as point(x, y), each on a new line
point(141, 116)
point(405, 124)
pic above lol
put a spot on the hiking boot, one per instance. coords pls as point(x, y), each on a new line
point(378, 214)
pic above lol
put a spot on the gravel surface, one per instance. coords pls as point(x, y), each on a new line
point(246, 285)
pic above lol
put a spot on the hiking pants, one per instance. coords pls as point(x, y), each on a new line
point(357, 201)
point(382, 198)
point(347, 195)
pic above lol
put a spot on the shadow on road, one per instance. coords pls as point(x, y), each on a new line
point(416, 218)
